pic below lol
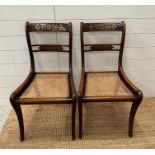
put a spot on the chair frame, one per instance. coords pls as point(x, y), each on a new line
point(138, 95)
point(14, 98)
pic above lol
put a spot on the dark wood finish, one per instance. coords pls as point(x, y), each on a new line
point(15, 99)
point(50, 48)
point(86, 27)
point(137, 94)
point(101, 47)
point(19, 114)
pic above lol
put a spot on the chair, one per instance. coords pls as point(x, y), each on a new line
point(46, 87)
point(107, 86)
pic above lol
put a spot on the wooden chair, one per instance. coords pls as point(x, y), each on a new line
point(108, 86)
point(46, 87)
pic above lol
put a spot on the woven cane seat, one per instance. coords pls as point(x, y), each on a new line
point(105, 84)
point(48, 86)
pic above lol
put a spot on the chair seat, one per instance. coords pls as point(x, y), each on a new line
point(108, 84)
point(47, 86)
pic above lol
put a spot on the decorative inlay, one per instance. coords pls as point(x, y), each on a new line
point(48, 27)
point(101, 47)
point(36, 48)
point(103, 27)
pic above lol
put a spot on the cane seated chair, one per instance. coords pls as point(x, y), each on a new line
point(46, 87)
point(106, 86)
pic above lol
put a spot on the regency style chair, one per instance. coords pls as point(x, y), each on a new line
point(107, 86)
point(46, 87)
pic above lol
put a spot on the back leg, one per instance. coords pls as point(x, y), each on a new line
point(80, 117)
point(73, 118)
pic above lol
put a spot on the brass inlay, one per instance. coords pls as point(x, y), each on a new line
point(48, 27)
point(103, 26)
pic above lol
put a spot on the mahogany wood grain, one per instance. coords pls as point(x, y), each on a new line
point(137, 94)
point(15, 99)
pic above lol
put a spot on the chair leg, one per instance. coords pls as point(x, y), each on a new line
point(18, 112)
point(80, 117)
point(73, 118)
point(133, 111)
